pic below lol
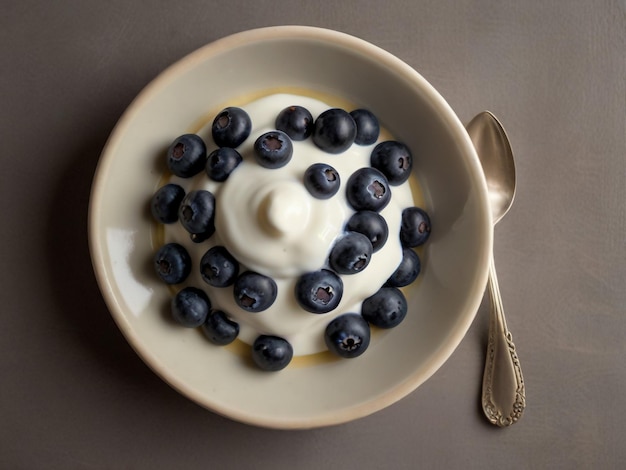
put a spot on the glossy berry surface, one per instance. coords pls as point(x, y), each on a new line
point(231, 127)
point(273, 149)
point(321, 180)
point(218, 267)
point(172, 263)
point(367, 127)
point(334, 131)
point(190, 307)
point(415, 227)
point(348, 335)
point(271, 353)
point(221, 163)
point(368, 189)
point(407, 271)
point(197, 213)
point(219, 329)
point(385, 309)
point(351, 253)
point(165, 202)
point(372, 225)
point(296, 122)
point(186, 156)
point(254, 292)
point(319, 291)
point(394, 160)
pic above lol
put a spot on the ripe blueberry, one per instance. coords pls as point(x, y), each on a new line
point(186, 156)
point(394, 160)
point(367, 127)
point(190, 307)
point(319, 291)
point(407, 271)
point(351, 253)
point(386, 308)
point(271, 353)
point(165, 202)
point(221, 163)
point(273, 149)
point(219, 329)
point(254, 292)
point(415, 227)
point(372, 225)
point(334, 131)
point(321, 180)
point(368, 189)
point(348, 335)
point(172, 263)
point(296, 122)
point(218, 267)
point(197, 214)
point(231, 127)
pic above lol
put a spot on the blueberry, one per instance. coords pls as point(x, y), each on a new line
point(172, 263)
point(367, 127)
point(165, 202)
point(385, 309)
point(372, 225)
point(190, 307)
point(321, 180)
point(273, 149)
point(197, 214)
point(319, 291)
point(351, 253)
point(415, 227)
point(334, 131)
point(368, 189)
point(271, 353)
point(348, 335)
point(407, 271)
point(219, 329)
point(221, 163)
point(296, 122)
point(254, 292)
point(186, 156)
point(394, 160)
point(218, 267)
point(231, 127)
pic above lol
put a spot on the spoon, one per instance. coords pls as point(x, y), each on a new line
point(504, 393)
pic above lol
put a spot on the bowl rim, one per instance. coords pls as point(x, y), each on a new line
point(214, 48)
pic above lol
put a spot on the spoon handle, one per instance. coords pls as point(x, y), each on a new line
point(504, 394)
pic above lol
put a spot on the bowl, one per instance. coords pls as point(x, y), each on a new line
point(311, 392)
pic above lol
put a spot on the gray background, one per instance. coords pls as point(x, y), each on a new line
point(74, 395)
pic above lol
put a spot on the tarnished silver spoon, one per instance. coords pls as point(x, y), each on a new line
point(504, 393)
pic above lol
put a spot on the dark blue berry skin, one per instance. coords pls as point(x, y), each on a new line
point(372, 225)
point(186, 156)
point(271, 353)
point(221, 163)
point(394, 160)
point(319, 291)
point(321, 180)
point(231, 127)
point(197, 214)
point(296, 122)
point(407, 271)
point(219, 329)
point(165, 202)
point(172, 263)
point(218, 267)
point(385, 309)
point(273, 149)
point(415, 227)
point(351, 253)
point(348, 335)
point(368, 189)
point(334, 131)
point(367, 127)
point(190, 307)
point(254, 292)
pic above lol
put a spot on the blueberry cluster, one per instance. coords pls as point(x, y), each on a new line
point(368, 191)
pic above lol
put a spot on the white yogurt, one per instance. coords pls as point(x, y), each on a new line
point(271, 224)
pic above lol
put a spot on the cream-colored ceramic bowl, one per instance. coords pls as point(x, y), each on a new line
point(319, 391)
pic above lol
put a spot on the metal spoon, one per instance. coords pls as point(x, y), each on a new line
point(503, 394)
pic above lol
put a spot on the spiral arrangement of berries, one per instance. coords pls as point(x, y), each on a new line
point(314, 229)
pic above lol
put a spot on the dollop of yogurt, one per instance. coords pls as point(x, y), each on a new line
point(270, 223)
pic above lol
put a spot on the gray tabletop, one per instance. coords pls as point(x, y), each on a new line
point(73, 394)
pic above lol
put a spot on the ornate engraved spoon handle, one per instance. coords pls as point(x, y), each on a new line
point(504, 394)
